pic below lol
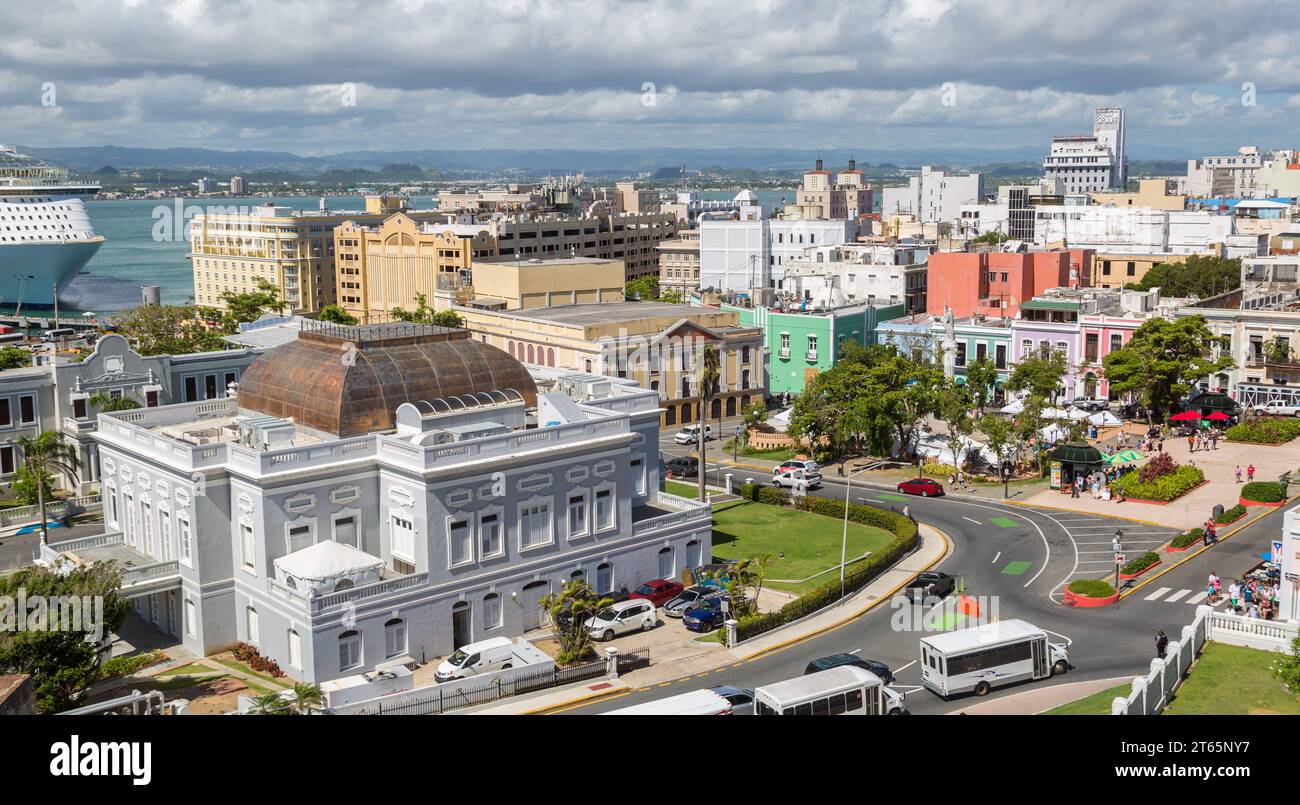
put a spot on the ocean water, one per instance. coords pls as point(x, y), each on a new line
point(132, 255)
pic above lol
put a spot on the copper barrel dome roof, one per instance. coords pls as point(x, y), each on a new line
point(349, 380)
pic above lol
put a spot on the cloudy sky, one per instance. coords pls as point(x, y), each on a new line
point(319, 76)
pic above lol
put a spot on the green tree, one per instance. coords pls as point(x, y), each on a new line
point(1287, 667)
point(45, 457)
point(167, 330)
point(423, 314)
point(336, 315)
point(952, 408)
point(672, 296)
point(250, 305)
point(752, 417)
point(64, 661)
point(1000, 435)
point(1039, 373)
point(15, 358)
point(1200, 275)
point(742, 583)
point(447, 318)
point(1279, 350)
point(644, 289)
point(307, 699)
point(107, 402)
point(981, 377)
point(994, 237)
point(1163, 360)
point(569, 609)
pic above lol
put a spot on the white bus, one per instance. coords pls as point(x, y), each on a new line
point(983, 657)
point(846, 690)
point(719, 701)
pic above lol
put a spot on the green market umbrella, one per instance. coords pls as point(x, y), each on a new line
point(1124, 457)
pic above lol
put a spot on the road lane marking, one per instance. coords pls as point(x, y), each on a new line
point(905, 667)
point(995, 558)
point(973, 520)
point(855, 651)
point(1157, 594)
point(1174, 598)
point(1004, 522)
point(1198, 598)
point(1016, 568)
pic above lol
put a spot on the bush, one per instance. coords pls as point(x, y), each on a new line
point(1164, 488)
point(1093, 588)
point(764, 494)
point(1230, 515)
point(1265, 431)
point(862, 574)
point(939, 470)
point(121, 666)
point(1160, 465)
point(253, 658)
point(1190, 538)
point(1264, 492)
point(1142, 562)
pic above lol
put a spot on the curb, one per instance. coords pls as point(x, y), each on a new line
point(1247, 522)
point(830, 627)
point(590, 697)
point(1077, 511)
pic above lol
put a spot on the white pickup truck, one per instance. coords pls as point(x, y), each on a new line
point(1276, 408)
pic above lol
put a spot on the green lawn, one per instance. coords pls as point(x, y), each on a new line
point(1098, 704)
point(683, 490)
point(810, 542)
point(188, 670)
point(1231, 680)
point(777, 456)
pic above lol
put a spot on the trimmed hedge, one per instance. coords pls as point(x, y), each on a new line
point(1265, 431)
point(1264, 492)
point(1093, 588)
point(764, 494)
point(860, 576)
point(1190, 538)
point(1165, 488)
point(1140, 563)
point(1230, 515)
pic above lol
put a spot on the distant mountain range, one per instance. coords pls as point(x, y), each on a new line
point(533, 161)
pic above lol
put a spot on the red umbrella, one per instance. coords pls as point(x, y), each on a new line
point(1186, 416)
point(1219, 416)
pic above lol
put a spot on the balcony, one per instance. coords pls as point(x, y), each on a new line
point(670, 511)
point(142, 575)
point(784, 354)
point(811, 355)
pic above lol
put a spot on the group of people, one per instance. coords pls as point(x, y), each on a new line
point(1203, 440)
point(1250, 473)
point(1100, 483)
point(1248, 596)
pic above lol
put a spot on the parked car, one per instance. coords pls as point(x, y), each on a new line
point(691, 434)
point(706, 615)
point(683, 466)
point(931, 582)
point(1276, 408)
point(471, 659)
point(687, 599)
point(795, 477)
point(809, 467)
point(742, 699)
point(616, 619)
point(1091, 403)
point(921, 486)
point(658, 591)
point(836, 660)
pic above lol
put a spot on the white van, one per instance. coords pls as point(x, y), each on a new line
point(691, 434)
point(472, 659)
point(625, 616)
point(992, 655)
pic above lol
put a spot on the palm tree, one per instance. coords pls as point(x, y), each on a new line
point(307, 699)
point(707, 368)
point(269, 704)
point(107, 402)
point(44, 456)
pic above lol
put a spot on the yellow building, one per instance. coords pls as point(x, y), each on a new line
point(679, 262)
point(1152, 193)
point(657, 345)
point(293, 250)
point(535, 283)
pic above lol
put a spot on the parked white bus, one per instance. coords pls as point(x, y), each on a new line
point(846, 690)
point(983, 657)
point(720, 701)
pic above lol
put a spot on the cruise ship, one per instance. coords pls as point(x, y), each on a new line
point(45, 233)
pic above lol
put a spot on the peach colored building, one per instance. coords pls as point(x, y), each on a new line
point(995, 283)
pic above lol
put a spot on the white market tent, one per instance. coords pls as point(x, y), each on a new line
point(327, 566)
point(1017, 407)
point(781, 421)
point(1054, 433)
point(1105, 419)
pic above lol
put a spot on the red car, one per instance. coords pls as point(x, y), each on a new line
point(921, 486)
point(659, 591)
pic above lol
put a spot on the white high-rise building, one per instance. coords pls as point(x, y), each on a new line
point(747, 255)
point(1087, 163)
point(933, 197)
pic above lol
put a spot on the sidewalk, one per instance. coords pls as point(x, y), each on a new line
point(1042, 699)
point(699, 659)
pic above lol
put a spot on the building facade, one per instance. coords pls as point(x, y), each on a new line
point(749, 256)
point(830, 196)
point(933, 197)
point(679, 262)
point(1087, 163)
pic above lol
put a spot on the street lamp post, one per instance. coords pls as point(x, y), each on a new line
point(1118, 546)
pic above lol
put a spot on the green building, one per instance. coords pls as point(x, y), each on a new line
point(800, 345)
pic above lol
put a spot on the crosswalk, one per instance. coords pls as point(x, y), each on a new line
point(1168, 595)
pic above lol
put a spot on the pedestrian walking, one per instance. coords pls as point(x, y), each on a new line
point(1234, 592)
point(1162, 643)
point(1250, 473)
point(1214, 440)
point(1238, 473)
point(1191, 444)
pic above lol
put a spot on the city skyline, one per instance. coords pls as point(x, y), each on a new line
point(883, 76)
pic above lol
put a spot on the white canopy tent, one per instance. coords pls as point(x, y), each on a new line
point(1017, 407)
point(1055, 433)
point(326, 567)
point(781, 421)
point(1105, 419)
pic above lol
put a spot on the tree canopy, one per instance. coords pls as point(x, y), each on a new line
point(1039, 373)
point(336, 315)
point(1163, 360)
point(168, 330)
point(1200, 275)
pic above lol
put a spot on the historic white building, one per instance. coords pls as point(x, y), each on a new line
point(379, 495)
point(1087, 163)
point(748, 255)
point(933, 196)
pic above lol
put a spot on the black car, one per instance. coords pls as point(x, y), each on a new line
point(836, 660)
point(683, 466)
point(931, 582)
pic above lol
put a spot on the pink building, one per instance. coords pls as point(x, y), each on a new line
point(994, 284)
point(1101, 334)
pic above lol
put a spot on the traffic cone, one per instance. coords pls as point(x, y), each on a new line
point(968, 605)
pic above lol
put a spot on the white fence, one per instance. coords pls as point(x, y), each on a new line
point(1151, 693)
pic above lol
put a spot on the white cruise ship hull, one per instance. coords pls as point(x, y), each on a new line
point(32, 273)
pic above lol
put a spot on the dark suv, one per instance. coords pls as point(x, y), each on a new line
point(682, 466)
point(836, 660)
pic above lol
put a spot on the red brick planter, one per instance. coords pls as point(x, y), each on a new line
point(1164, 502)
point(1245, 502)
point(1126, 576)
point(1172, 549)
point(1087, 601)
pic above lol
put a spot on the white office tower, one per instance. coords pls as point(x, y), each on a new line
point(1089, 163)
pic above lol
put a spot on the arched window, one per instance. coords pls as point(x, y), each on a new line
point(692, 554)
point(666, 563)
point(530, 354)
point(605, 578)
point(491, 611)
point(550, 356)
point(349, 649)
point(394, 638)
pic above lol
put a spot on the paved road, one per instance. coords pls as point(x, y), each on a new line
point(1021, 556)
